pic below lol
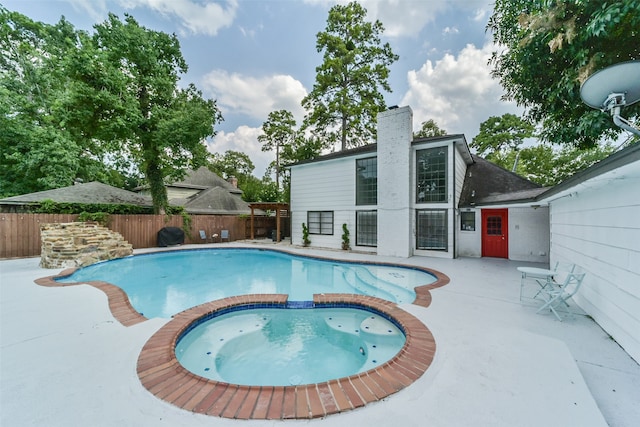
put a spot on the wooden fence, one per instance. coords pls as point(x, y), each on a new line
point(20, 233)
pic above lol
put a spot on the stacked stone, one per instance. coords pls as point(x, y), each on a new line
point(78, 244)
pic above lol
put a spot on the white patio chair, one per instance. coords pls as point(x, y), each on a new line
point(561, 269)
point(559, 293)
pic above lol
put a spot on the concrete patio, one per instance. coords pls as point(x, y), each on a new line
point(65, 361)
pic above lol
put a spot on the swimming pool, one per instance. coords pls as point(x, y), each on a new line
point(162, 374)
point(165, 283)
point(288, 346)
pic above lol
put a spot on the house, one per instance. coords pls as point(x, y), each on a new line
point(204, 192)
point(90, 192)
point(403, 197)
point(594, 219)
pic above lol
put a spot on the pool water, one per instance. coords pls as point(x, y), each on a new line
point(281, 347)
point(165, 283)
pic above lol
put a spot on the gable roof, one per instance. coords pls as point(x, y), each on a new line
point(216, 200)
point(90, 192)
point(486, 183)
point(203, 178)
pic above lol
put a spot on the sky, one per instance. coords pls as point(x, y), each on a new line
point(258, 56)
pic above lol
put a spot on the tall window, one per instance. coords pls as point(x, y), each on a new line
point(366, 228)
point(367, 181)
point(320, 222)
point(431, 175)
point(431, 229)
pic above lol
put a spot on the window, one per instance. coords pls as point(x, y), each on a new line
point(320, 222)
point(366, 228)
point(494, 225)
point(367, 181)
point(431, 229)
point(468, 221)
point(431, 175)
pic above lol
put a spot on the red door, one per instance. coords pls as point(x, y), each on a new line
point(495, 237)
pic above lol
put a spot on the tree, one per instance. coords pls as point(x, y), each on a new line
point(500, 136)
point(549, 48)
point(37, 149)
point(346, 98)
point(232, 163)
point(278, 130)
point(127, 98)
point(429, 129)
point(501, 141)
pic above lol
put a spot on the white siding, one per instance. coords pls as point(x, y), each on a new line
point(597, 227)
point(325, 186)
point(460, 173)
point(528, 234)
point(469, 242)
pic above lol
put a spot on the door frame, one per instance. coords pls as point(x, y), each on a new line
point(504, 214)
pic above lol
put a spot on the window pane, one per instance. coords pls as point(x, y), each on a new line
point(431, 175)
point(326, 223)
point(320, 222)
point(366, 228)
point(313, 222)
point(468, 221)
point(431, 229)
point(494, 226)
point(367, 181)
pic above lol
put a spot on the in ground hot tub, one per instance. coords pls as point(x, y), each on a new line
point(299, 344)
point(253, 332)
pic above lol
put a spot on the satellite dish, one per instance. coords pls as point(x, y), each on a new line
point(623, 78)
point(612, 88)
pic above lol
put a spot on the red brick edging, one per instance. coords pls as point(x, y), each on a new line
point(124, 312)
point(161, 373)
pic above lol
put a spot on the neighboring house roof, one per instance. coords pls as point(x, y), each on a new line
point(90, 192)
point(487, 183)
point(215, 196)
point(216, 200)
point(203, 178)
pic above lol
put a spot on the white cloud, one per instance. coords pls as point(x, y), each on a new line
point(458, 93)
point(253, 96)
point(195, 17)
point(244, 139)
point(406, 18)
point(450, 30)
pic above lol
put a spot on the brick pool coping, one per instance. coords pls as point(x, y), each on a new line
point(161, 373)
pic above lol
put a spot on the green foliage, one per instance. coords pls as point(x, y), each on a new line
point(232, 163)
point(346, 94)
point(345, 238)
point(501, 141)
point(101, 218)
point(500, 134)
point(429, 129)
point(305, 235)
point(187, 221)
point(278, 130)
point(96, 106)
point(548, 49)
point(50, 207)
